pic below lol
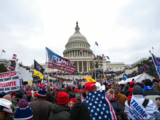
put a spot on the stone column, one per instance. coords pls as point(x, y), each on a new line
point(82, 66)
point(74, 53)
point(87, 66)
point(78, 65)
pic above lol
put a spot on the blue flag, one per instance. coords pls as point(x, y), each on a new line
point(156, 63)
point(125, 77)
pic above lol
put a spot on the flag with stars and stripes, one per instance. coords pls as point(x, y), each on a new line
point(103, 56)
point(99, 106)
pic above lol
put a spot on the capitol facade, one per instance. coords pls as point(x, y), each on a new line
point(77, 50)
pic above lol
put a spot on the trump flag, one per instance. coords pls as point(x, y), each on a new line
point(57, 62)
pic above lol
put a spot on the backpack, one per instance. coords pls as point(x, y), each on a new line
point(144, 104)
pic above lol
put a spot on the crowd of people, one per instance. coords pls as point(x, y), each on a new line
point(93, 101)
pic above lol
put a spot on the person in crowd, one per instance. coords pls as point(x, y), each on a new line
point(49, 96)
point(78, 97)
point(158, 103)
point(76, 91)
point(79, 111)
point(5, 110)
point(140, 108)
point(130, 90)
point(115, 104)
point(157, 86)
point(121, 98)
point(23, 94)
point(97, 103)
point(83, 95)
point(126, 88)
point(41, 108)
point(106, 86)
point(99, 86)
point(23, 112)
point(14, 103)
point(72, 101)
point(69, 91)
point(60, 110)
point(18, 97)
point(149, 92)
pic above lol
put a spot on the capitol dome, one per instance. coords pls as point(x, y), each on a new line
point(77, 45)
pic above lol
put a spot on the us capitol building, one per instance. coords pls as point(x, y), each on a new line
point(84, 60)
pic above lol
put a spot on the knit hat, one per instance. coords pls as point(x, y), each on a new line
point(62, 98)
point(78, 97)
point(41, 94)
point(110, 94)
point(76, 90)
point(137, 89)
point(79, 111)
point(23, 111)
point(5, 105)
point(7, 97)
point(73, 100)
point(90, 86)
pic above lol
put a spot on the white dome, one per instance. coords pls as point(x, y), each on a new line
point(77, 36)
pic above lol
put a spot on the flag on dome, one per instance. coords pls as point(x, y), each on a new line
point(14, 56)
point(107, 57)
point(81, 50)
point(96, 43)
point(3, 51)
point(103, 56)
point(57, 62)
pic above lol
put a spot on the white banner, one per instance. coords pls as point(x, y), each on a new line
point(9, 81)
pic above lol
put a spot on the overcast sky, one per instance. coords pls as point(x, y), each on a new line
point(125, 29)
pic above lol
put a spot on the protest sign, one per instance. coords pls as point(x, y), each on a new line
point(9, 81)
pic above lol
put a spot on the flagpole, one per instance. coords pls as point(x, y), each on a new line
point(1, 54)
point(94, 60)
point(154, 64)
point(47, 64)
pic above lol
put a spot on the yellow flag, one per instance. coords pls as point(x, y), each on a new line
point(36, 73)
point(90, 69)
point(90, 79)
point(30, 83)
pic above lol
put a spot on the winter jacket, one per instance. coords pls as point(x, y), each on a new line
point(22, 92)
point(41, 109)
point(151, 94)
point(14, 106)
point(117, 107)
point(150, 109)
point(59, 112)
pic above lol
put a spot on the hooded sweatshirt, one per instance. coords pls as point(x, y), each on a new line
point(59, 112)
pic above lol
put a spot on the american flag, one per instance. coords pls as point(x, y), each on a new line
point(103, 56)
point(81, 50)
point(57, 62)
point(3, 51)
point(94, 55)
point(96, 43)
point(14, 56)
point(99, 106)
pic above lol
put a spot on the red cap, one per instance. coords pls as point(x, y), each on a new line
point(132, 83)
point(82, 91)
point(90, 86)
point(73, 100)
point(62, 98)
point(76, 90)
point(35, 94)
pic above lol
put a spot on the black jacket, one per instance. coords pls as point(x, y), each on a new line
point(151, 92)
point(59, 112)
point(117, 107)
